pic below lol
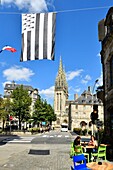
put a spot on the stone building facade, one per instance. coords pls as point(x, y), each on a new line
point(105, 31)
point(76, 111)
point(81, 107)
point(33, 93)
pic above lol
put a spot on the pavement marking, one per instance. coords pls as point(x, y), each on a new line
point(20, 140)
point(44, 136)
point(67, 136)
point(56, 136)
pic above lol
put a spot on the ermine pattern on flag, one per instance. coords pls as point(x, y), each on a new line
point(38, 36)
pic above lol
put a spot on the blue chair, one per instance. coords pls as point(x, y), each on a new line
point(79, 163)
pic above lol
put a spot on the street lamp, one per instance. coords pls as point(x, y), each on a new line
point(94, 86)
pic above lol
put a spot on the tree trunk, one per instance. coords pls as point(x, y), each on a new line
point(3, 124)
point(19, 123)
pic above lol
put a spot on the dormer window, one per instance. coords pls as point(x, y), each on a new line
point(83, 101)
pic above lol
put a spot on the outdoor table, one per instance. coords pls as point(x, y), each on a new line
point(88, 149)
point(96, 166)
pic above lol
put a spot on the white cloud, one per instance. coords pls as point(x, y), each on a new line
point(98, 55)
point(48, 93)
point(86, 79)
point(30, 5)
point(72, 74)
point(17, 73)
point(77, 90)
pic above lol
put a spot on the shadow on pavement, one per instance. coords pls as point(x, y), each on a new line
point(6, 138)
point(73, 133)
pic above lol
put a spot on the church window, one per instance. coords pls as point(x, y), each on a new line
point(57, 101)
point(58, 121)
point(76, 106)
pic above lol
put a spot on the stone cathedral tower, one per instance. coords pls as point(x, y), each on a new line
point(61, 96)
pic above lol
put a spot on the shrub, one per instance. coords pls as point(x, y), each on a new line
point(89, 132)
point(34, 130)
point(84, 132)
point(77, 130)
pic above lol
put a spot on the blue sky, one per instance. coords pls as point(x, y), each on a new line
point(76, 43)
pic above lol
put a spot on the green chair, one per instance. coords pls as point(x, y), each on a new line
point(72, 152)
point(79, 150)
point(101, 153)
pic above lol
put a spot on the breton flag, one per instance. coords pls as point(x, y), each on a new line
point(8, 48)
point(38, 36)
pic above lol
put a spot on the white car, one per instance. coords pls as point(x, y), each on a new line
point(64, 127)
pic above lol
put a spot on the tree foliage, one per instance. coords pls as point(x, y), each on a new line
point(21, 102)
point(43, 112)
point(5, 109)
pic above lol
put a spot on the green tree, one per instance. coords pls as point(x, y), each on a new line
point(21, 102)
point(43, 112)
point(5, 109)
point(50, 114)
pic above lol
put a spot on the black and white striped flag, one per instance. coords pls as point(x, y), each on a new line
point(38, 36)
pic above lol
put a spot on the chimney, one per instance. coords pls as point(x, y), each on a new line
point(75, 96)
point(13, 83)
point(89, 88)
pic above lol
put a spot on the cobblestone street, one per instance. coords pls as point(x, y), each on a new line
point(17, 157)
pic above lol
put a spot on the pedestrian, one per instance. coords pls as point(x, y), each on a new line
point(41, 130)
point(77, 141)
point(93, 142)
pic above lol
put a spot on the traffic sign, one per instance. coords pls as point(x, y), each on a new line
point(11, 118)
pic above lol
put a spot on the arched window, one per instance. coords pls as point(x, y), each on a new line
point(58, 121)
point(65, 121)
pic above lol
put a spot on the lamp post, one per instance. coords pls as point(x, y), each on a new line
point(92, 104)
point(94, 86)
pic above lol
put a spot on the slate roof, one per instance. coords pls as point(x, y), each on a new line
point(87, 98)
point(13, 86)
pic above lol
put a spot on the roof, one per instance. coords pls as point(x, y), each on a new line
point(12, 86)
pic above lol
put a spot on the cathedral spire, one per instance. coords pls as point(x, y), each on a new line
point(61, 78)
point(60, 67)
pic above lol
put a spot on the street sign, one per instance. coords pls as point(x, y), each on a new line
point(43, 123)
point(10, 117)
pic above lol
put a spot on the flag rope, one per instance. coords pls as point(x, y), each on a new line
point(63, 11)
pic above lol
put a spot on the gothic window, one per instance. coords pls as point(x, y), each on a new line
point(65, 121)
point(60, 102)
point(111, 71)
point(76, 106)
point(58, 121)
point(57, 101)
